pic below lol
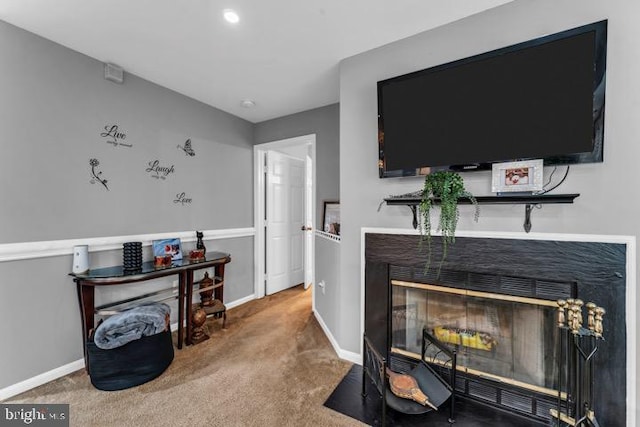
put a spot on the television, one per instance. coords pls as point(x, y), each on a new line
point(540, 99)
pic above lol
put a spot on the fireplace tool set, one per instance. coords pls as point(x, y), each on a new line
point(576, 370)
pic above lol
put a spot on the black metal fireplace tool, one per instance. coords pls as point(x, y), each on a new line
point(576, 370)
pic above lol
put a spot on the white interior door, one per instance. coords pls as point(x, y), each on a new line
point(285, 218)
point(308, 221)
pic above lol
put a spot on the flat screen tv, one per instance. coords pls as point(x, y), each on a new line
point(541, 99)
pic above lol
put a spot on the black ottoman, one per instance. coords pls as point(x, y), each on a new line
point(132, 364)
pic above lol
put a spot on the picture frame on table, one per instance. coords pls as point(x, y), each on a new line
point(171, 247)
point(331, 217)
point(521, 176)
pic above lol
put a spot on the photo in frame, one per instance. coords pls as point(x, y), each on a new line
point(168, 247)
point(331, 217)
point(522, 176)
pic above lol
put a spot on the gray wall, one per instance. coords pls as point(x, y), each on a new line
point(327, 263)
point(325, 123)
point(54, 105)
point(607, 204)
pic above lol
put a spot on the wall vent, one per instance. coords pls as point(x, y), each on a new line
point(114, 73)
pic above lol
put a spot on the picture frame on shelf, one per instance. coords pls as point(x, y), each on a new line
point(331, 217)
point(171, 247)
point(522, 176)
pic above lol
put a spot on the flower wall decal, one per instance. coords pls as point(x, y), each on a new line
point(95, 174)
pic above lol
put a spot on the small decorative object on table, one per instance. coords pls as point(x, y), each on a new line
point(196, 255)
point(206, 297)
point(80, 259)
point(198, 320)
point(162, 261)
point(168, 247)
point(132, 256)
point(199, 243)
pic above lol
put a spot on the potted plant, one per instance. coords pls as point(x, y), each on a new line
point(444, 188)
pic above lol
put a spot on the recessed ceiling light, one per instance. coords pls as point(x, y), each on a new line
point(231, 16)
point(247, 103)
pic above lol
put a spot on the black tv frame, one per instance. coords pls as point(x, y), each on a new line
point(594, 156)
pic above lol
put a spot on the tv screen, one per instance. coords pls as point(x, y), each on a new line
point(541, 99)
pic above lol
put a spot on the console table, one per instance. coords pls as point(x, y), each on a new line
point(107, 276)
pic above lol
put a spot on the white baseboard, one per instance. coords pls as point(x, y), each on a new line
point(38, 380)
point(350, 356)
point(342, 354)
point(240, 301)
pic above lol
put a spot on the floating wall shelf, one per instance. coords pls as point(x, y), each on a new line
point(530, 201)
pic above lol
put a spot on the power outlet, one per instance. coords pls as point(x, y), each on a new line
point(174, 284)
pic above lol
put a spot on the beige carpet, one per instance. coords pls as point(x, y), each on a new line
point(272, 366)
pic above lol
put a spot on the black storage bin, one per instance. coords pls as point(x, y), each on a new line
point(132, 364)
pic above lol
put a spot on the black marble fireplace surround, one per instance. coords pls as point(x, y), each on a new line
point(592, 271)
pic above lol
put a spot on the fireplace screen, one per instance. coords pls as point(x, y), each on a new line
point(508, 339)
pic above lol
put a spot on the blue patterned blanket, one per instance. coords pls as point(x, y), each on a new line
point(132, 324)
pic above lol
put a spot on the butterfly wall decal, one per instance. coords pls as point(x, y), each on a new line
point(187, 148)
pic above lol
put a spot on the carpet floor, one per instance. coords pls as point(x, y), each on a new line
point(272, 366)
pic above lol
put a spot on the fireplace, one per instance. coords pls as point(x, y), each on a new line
point(495, 302)
point(510, 339)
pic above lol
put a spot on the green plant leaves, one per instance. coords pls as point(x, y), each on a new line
point(445, 187)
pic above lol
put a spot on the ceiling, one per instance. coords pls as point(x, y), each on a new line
point(283, 54)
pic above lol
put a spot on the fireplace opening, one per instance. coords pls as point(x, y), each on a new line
point(505, 338)
point(503, 327)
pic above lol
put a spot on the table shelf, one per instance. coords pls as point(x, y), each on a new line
point(116, 275)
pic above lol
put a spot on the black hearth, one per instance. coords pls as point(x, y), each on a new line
point(497, 297)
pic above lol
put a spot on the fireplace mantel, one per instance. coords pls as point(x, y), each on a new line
point(603, 267)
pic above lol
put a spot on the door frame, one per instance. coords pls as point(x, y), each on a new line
point(259, 204)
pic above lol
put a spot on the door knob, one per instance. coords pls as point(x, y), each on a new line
point(305, 228)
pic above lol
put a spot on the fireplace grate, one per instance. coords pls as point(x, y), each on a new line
point(555, 290)
point(517, 401)
point(483, 391)
point(543, 408)
point(518, 286)
point(486, 282)
point(401, 365)
point(453, 278)
point(483, 282)
point(402, 273)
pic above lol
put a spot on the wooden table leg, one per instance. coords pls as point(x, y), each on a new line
point(219, 292)
point(181, 302)
point(86, 301)
point(189, 284)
